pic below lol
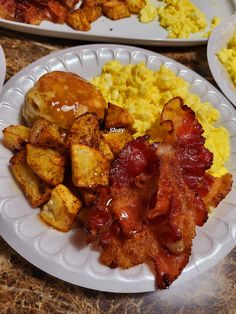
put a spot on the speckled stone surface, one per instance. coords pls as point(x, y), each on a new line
point(26, 289)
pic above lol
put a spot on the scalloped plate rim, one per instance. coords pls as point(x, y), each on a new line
point(122, 286)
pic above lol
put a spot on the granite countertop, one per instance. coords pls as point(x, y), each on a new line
point(26, 289)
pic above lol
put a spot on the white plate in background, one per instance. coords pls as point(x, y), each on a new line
point(65, 255)
point(2, 67)
point(129, 30)
point(218, 40)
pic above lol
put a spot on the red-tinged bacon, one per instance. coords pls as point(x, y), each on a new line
point(35, 11)
point(135, 158)
point(185, 133)
point(7, 9)
point(100, 219)
point(57, 11)
point(133, 181)
point(157, 199)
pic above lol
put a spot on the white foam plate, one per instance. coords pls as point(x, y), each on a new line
point(65, 255)
point(2, 67)
point(218, 40)
point(129, 30)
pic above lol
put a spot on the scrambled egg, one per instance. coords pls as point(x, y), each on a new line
point(227, 56)
point(214, 22)
point(144, 92)
point(180, 18)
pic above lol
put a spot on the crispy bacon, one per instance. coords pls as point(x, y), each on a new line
point(35, 11)
point(133, 181)
point(157, 195)
point(7, 9)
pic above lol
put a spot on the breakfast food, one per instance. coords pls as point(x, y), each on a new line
point(61, 97)
point(157, 196)
point(227, 57)
point(139, 197)
point(180, 18)
point(36, 11)
point(143, 93)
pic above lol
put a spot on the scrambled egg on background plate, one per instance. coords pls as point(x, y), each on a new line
point(144, 92)
point(179, 17)
point(227, 57)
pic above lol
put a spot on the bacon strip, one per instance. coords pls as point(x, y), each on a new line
point(158, 194)
point(35, 11)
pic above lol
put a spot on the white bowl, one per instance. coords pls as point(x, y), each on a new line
point(218, 40)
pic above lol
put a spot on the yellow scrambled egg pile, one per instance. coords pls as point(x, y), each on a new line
point(179, 18)
point(144, 92)
point(227, 56)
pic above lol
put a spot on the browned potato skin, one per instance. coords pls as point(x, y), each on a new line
point(90, 168)
point(78, 20)
point(115, 10)
point(81, 19)
point(135, 6)
point(46, 133)
point(105, 149)
point(61, 209)
point(85, 130)
point(117, 117)
point(36, 191)
point(16, 136)
point(47, 163)
point(117, 138)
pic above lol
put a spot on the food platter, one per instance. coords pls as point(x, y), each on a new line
point(66, 255)
point(218, 40)
point(129, 30)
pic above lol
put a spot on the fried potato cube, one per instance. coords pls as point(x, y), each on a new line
point(16, 136)
point(117, 138)
point(92, 13)
point(78, 20)
point(61, 209)
point(115, 10)
point(47, 163)
point(117, 117)
point(85, 130)
point(90, 168)
point(36, 191)
point(135, 6)
point(105, 149)
point(46, 133)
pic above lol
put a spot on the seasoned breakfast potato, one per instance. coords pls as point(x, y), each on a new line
point(61, 209)
point(135, 6)
point(117, 138)
point(78, 20)
point(81, 19)
point(85, 130)
point(117, 117)
point(115, 10)
point(44, 132)
point(15, 136)
point(90, 168)
point(36, 191)
point(47, 163)
point(105, 149)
